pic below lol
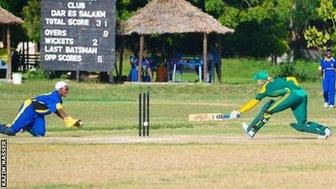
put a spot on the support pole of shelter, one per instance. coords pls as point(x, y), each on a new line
point(163, 53)
point(110, 77)
point(121, 58)
point(219, 65)
point(9, 56)
point(140, 57)
point(77, 76)
point(205, 58)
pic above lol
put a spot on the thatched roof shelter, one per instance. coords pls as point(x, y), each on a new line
point(7, 18)
point(172, 16)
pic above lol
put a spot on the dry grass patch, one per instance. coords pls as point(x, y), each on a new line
point(305, 164)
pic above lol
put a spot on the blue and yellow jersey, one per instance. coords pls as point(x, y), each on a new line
point(275, 88)
point(46, 104)
point(328, 66)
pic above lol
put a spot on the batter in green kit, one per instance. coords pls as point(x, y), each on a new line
point(289, 95)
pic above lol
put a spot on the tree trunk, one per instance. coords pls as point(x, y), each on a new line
point(9, 55)
point(294, 34)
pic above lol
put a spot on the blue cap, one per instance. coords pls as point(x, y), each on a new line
point(261, 75)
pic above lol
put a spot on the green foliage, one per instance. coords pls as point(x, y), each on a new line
point(35, 74)
point(243, 69)
point(215, 7)
point(326, 10)
point(4, 4)
point(65, 76)
point(262, 27)
point(32, 14)
point(230, 18)
point(3, 54)
point(13, 6)
point(126, 8)
point(316, 38)
point(305, 13)
point(261, 40)
point(275, 15)
point(302, 70)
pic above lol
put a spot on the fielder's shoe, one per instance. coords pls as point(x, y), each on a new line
point(331, 106)
point(327, 133)
point(250, 133)
point(325, 105)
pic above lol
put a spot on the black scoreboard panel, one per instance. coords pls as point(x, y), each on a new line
point(78, 35)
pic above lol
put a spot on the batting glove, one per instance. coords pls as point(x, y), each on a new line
point(234, 114)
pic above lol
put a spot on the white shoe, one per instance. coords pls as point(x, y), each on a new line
point(327, 133)
point(250, 133)
point(331, 106)
point(325, 105)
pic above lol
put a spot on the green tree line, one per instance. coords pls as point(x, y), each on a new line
point(262, 27)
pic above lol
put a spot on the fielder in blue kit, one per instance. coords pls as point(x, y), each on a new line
point(31, 113)
point(327, 69)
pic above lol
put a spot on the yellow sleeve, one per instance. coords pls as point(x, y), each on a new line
point(59, 106)
point(248, 105)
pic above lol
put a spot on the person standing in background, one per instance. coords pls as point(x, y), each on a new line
point(327, 71)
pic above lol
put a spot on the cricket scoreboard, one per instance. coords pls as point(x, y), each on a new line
point(78, 35)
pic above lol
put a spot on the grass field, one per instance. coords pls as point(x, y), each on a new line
point(108, 154)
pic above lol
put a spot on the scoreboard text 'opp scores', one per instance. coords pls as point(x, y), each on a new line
point(78, 35)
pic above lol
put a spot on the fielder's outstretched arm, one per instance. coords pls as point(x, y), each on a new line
point(249, 105)
point(61, 113)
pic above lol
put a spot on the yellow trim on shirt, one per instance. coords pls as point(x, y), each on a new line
point(25, 105)
point(263, 88)
point(280, 100)
point(41, 111)
point(293, 79)
point(327, 59)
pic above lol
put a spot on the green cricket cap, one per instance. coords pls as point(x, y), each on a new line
point(262, 75)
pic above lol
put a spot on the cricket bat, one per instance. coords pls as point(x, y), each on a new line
point(209, 117)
